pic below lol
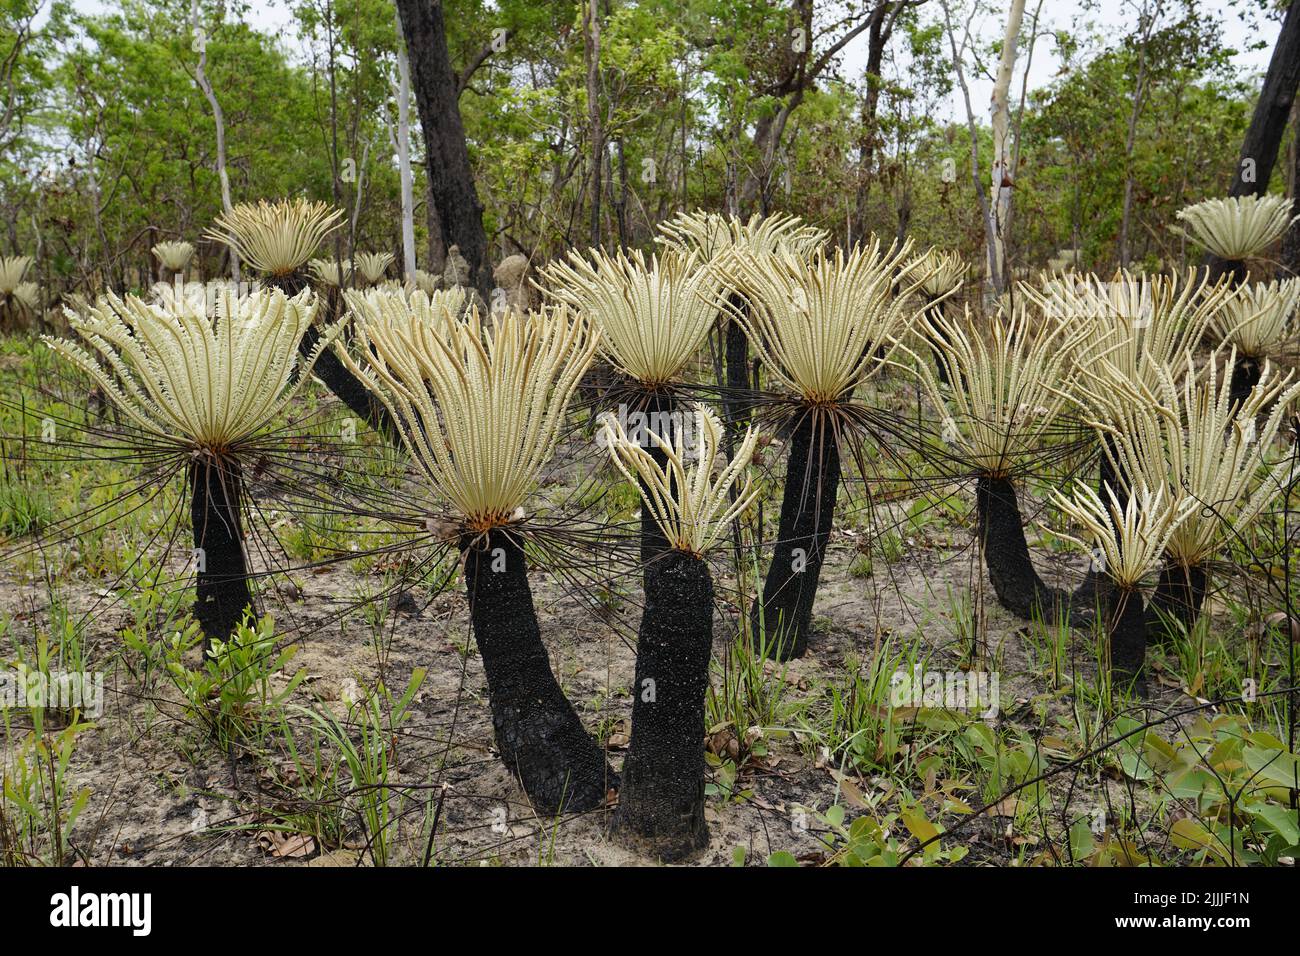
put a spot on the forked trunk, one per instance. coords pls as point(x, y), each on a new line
point(1126, 636)
point(661, 800)
point(540, 738)
point(812, 479)
point(1177, 600)
point(1006, 552)
point(216, 494)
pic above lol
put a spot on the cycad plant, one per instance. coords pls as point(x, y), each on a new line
point(661, 797)
point(480, 412)
point(1008, 399)
point(714, 238)
point(204, 386)
point(1126, 542)
point(1257, 320)
point(653, 315)
point(820, 326)
point(277, 240)
point(942, 274)
point(1237, 228)
point(174, 257)
point(1140, 326)
point(16, 296)
point(1188, 438)
point(373, 265)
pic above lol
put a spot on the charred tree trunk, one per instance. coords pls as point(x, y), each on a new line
point(346, 387)
point(1126, 635)
point(538, 733)
point(661, 800)
point(451, 179)
point(223, 593)
point(658, 409)
point(1096, 586)
point(738, 404)
point(1178, 599)
point(1006, 552)
point(1267, 125)
point(1245, 376)
point(812, 481)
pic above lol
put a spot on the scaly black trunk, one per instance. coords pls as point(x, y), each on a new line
point(658, 409)
point(739, 383)
point(1006, 552)
point(216, 493)
point(812, 482)
point(661, 801)
point(1178, 598)
point(538, 733)
point(1126, 633)
point(1095, 589)
point(1245, 376)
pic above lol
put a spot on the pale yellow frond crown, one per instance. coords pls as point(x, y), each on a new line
point(190, 377)
point(12, 270)
point(174, 254)
point(373, 265)
point(1259, 316)
point(941, 273)
point(276, 238)
point(690, 494)
point(1238, 227)
point(330, 272)
point(1010, 378)
point(480, 410)
point(1129, 541)
point(653, 313)
point(818, 323)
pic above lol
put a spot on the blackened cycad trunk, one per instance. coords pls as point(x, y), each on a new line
point(661, 800)
point(1178, 598)
point(216, 497)
point(1093, 592)
point(738, 403)
point(659, 408)
point(542, 741)
point(1006, 552)
point(1126, 635)
point(812, 482)
point(1245, 376)
point(329, 369)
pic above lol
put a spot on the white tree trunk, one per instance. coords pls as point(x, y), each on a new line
point(1002, 172)
point(201, 76)
point(404, 157)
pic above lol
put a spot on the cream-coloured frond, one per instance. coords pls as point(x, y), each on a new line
point(713, 235)
point(200, 297)
point(690, 502)
point(373, 265)
point(653, 314)
point(1138, 324)
point(191, 377)
point(28, 295)
point(326, 271)
point(174, 254)
point(480, 410)
point(1258, 316)
point(1011, 377)
point(395, 300)
point(276, 238)
point(1186, 437)
point(427, 282)
point(12, 270)
point(1239, 227)
point(818, 323)
point(940, 272)
point(1131, 539)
